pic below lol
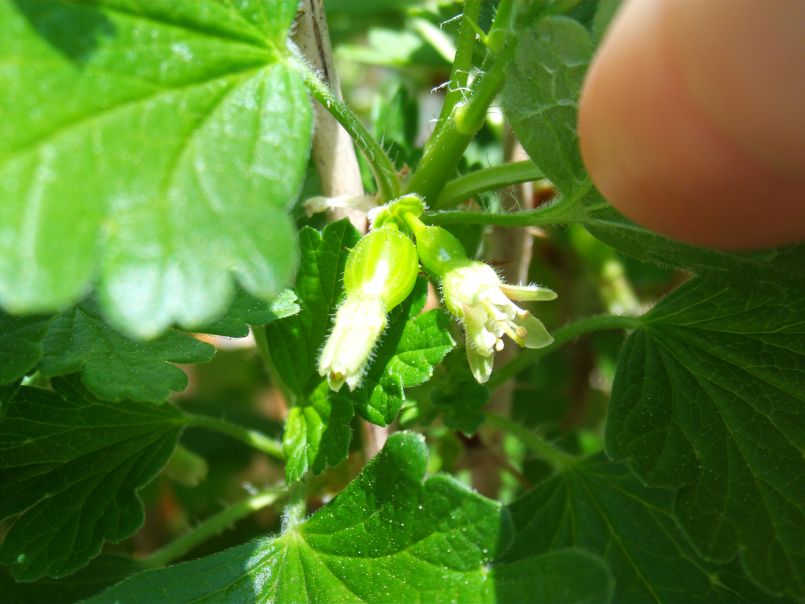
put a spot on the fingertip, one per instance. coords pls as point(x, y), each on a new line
point(655, 150)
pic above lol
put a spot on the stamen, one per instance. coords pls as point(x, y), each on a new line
point(499, 345)
point(521, 331)
point(507, 327)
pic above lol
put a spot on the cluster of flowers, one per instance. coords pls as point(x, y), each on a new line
point(380, 273)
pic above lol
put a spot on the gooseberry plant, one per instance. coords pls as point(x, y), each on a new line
point(405, 424)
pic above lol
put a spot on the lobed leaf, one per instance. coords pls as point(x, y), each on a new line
point(708, 400)
point(20, 345)
point(154, 146)
point(600, 506)
point(71, 467)
point(388, 537)
point(113, 366)
point(247, 310)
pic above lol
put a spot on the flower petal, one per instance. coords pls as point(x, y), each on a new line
point(528, 292)
point(480, 365)
point(537, 336)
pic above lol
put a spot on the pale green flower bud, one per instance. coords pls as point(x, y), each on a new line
point(380, 273)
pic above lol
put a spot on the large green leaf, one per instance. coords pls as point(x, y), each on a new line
point(708, 399)
point(409, 350)
point(113, 366)
point(71, 466)
point(602, 507)
point(388, 537)
point(153, 145)
point(20, 345)
point(540, 97)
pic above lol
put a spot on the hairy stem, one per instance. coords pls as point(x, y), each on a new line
point(253, 438)
point(546, 450)
point(296, 509)
point(488, 179)
point(212, 526)
point(562, 336)
point(462, 63)
point(388, 181)
point(448, 143)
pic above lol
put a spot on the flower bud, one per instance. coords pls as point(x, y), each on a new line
point(380, 273)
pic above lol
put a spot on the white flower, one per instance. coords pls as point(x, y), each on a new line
point(358, 324)
point(474, 292)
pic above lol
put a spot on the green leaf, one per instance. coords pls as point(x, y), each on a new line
point(755, 269)
point(408, 351)
point(388, 537)
point(459, 397)
point(113, 366)
point(601, 507)
point(317, 432)
point(20, 345)
point(167, 140)
point(71, 466)
point(540, 97)
point(295, 342)
point(103, 571)
point(247, 310)
point(708, 400)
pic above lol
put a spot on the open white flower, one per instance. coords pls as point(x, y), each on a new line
point(474, 292)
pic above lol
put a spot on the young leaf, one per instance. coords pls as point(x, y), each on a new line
point(71, 466)
point(113, 366)
point(540, 97)
point(708, 400)
point(317, 432)
point(168, 139)
point(295, 342)
point(409, 350)
point(601, 507)
point(247, 310)
point(20, 345)
point(388, 537)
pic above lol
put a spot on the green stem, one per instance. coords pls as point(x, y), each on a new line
point(388, 181)
point(448, 143)
point(488, 179)
point(462, 63)
point(212, 526)
point(546, 450)
point(562, 211)
point(253, 438)
point(296, 508)
point(561, 336)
